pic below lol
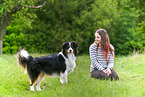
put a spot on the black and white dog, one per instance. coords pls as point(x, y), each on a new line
point(60, 64)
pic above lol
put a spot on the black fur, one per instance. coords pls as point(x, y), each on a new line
point(47, 64)
point(75, 47)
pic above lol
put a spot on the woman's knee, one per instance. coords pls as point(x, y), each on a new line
point(99, 75)
point(114, 75)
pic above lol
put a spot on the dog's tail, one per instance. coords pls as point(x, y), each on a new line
point(23, 59)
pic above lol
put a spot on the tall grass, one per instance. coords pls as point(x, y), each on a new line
point(131, 70)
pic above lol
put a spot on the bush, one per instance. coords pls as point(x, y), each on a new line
point(12, 42)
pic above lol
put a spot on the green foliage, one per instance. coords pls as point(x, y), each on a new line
point(15, 34)
point(46, 28)
point(126, 31)
point(98, 16)
point(54, 26)
point(12, 42)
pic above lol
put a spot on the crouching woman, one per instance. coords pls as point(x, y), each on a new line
point(102, 57)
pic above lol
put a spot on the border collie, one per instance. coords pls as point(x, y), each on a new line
point(60, 64)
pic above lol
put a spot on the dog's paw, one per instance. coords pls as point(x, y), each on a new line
point(39, 90)
point(32, 90)
point(63, 82)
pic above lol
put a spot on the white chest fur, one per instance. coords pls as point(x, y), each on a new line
point(70, 62)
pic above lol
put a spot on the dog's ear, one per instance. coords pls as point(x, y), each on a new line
point(64, 45)
point(75, 44)
point(76, 48)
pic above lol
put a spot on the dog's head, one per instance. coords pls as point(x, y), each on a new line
point(70, 47)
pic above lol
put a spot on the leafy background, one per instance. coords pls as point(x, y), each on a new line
point(45, 29)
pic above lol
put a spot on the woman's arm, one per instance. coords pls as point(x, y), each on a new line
point(93, 56)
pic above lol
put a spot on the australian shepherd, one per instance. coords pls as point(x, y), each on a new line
point(60, 64)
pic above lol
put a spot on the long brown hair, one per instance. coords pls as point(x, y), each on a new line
point(105, 43)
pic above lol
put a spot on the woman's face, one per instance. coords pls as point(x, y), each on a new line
point(97, 38)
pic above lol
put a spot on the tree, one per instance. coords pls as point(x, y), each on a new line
point(5, 19)
point(7, 9)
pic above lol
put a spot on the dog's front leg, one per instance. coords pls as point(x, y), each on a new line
point(70, 70)
point(32, 88)
point(63, 77)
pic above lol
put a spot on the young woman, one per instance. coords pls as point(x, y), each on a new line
point(102, 57)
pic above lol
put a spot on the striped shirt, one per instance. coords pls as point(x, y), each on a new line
point(98, 60)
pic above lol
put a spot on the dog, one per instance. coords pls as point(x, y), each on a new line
point(59, 64)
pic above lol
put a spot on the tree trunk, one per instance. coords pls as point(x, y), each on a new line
point(1, 45)
point(4, 22)
point(2, 34)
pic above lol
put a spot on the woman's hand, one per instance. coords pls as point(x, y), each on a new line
point(107, 71)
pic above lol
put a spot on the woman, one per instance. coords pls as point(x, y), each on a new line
point(102, 57)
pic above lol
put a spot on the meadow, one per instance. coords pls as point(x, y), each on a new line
point(131, 70)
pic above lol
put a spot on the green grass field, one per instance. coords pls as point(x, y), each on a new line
point(131, 70)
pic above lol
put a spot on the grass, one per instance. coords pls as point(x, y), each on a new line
point(131, 70)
